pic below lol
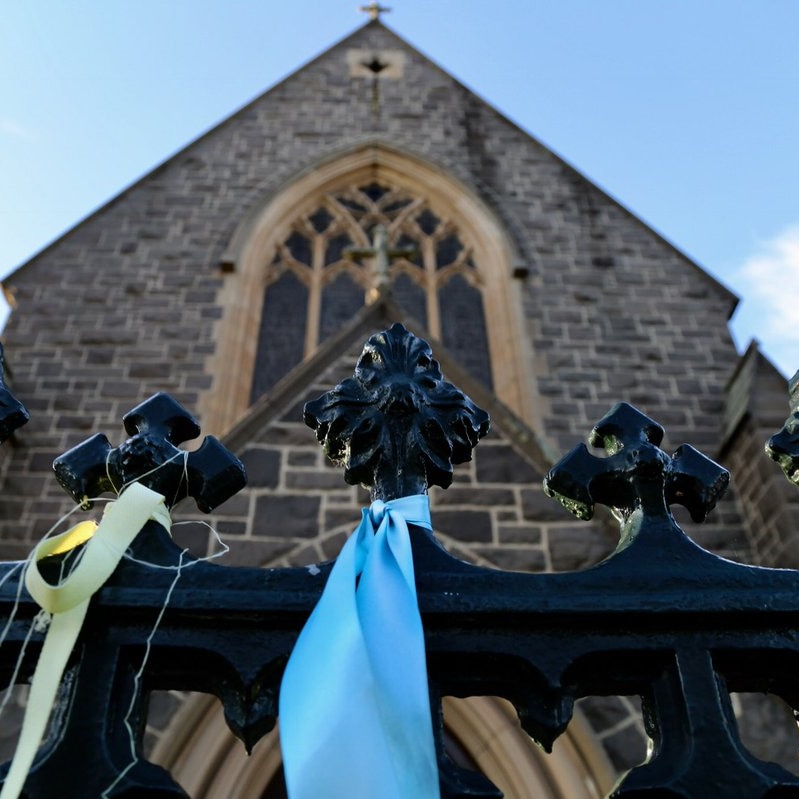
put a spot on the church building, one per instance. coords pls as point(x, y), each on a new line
point(243, 275)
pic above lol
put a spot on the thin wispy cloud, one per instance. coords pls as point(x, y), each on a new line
point(10, 127)
point(770, 278)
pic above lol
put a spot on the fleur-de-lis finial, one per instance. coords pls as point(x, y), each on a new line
point(636, 476)
point(783, 447)
point(13, 413)
point(397, 426)
point(151, 456)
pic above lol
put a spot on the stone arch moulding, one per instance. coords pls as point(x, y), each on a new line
point(256, 238)
point(205, 758)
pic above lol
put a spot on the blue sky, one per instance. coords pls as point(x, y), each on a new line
point(685, 111)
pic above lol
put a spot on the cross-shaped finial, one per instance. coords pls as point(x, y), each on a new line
point(13, 413)
point(382, 254)
point(151, 456)
point(636, 475)
point(374, 10)
point(397, 426)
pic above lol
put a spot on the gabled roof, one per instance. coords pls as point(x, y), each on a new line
point(350, 40)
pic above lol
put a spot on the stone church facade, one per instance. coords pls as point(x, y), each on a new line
point(236, 277)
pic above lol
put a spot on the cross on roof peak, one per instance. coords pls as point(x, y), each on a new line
point(374, 10)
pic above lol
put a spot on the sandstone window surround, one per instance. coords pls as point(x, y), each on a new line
point(291, 250)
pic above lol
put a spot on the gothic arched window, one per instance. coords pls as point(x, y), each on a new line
point(296, 273)
point(321, 273)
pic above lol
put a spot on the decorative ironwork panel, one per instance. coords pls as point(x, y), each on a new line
point(660, 617)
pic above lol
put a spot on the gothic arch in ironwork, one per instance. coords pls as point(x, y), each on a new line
point(482, 732)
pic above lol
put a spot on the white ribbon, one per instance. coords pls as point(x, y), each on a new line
point(68, 603)
point(355, 719)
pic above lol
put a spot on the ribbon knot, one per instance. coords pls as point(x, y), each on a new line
point(376, 511)
point(355, 716)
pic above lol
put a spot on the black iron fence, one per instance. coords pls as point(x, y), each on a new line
point(660, 618)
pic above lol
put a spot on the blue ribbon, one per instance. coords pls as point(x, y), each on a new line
point(355, 719)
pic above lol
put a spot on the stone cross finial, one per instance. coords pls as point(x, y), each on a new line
point(13, 413)
point(397, 426)
point(382, 254)
point(783, 447)
point(151, 456)
point(636, 474)
point(374, 10)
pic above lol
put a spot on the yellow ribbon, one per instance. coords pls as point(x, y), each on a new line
point(68, 603)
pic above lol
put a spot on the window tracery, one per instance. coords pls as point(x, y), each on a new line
point(317, 264)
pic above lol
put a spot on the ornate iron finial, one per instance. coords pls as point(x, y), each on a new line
point(151, 456)
point(397, 426)
point(637, 475)
point(13, 413)
point(783, 447)
point(374, 10)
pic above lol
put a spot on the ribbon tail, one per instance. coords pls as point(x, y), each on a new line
point(328, 715)
point(394, 639)
point(58, 644)
point(354, 702)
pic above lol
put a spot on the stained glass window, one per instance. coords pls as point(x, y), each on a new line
point(282, 336)
point(323, 264)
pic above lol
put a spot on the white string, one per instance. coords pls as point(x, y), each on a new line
point(17, 665)
point(137, 680)
point(8, 574)
point(224, 549)
point(11, 616)
point(38, 622)
point(148, 646)
point(181, 453)
point(13, 613)
point(23, 563)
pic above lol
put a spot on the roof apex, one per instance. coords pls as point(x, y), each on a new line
point(350, 40)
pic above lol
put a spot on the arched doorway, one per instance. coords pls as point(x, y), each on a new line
point(210, 763)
